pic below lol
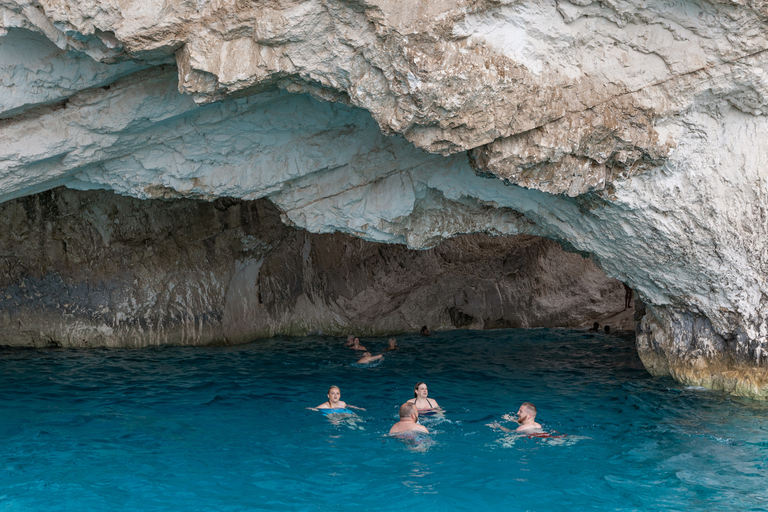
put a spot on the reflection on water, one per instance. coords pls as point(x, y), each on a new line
point(173, 429)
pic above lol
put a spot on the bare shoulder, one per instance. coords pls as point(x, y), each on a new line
point(529, 428)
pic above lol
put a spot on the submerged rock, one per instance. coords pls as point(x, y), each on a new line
point(97, 269)
point(629, 131)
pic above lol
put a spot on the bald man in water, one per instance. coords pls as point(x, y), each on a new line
point(409, 416)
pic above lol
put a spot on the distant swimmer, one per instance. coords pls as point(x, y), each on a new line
point(607, 329)
point(425, 331)
point(368, 358)
point(356, 344)
point(409, 417)
point(350, 340)
point(595, 327)
point(334, 401)
point(526, 419)
point(423, 404)
point(392, 345)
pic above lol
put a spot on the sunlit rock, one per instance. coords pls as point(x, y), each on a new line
point(631, 131)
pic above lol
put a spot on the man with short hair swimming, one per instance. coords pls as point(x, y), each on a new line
point(526, 419)
point(409, 417)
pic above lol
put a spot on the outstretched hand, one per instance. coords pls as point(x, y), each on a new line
point(509, 417)
point(496, 425)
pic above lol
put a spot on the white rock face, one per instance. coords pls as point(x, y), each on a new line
point(631, 131)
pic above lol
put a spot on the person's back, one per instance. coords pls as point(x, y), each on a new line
point(409, 416)
point(368, 358)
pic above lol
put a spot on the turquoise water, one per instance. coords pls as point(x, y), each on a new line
point(226, 429)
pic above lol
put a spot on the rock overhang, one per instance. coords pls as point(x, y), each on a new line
point(629, 131)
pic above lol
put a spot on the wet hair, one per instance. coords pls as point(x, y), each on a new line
point(607, 329)
point(334, 387)
point(390, 340)
point(531, 408)
point(416, 389)
point(596, 326)
point(407, 409)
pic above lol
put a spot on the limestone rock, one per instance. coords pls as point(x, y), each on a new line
point(85, 269)
point(628, 130)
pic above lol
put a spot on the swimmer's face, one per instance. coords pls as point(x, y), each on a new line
point(392, 343)
point(522, 413)
point(357, 341)
point(334, 395)
point(422, 390)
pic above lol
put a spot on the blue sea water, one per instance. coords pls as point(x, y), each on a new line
point(227, 429)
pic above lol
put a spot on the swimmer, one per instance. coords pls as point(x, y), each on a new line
point(420, 400)
point(356, 345)
point(425, 331)
point(368, 358)
point(595, 327)
point(334, 401)
point(526, 418)
point(409, 417)
point(392, 345)
point(350, 341)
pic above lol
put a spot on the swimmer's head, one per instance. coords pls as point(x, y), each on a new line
point(392, 343)
point(334, 392)
point(407, 409)
point(526, 410)
point(416, 389)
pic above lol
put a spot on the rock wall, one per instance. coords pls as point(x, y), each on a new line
point(628, 130)
point(97, 269)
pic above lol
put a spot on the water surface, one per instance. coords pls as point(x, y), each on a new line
point(225, 428)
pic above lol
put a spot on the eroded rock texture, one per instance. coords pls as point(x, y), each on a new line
point(629, 130)
point(97, 269)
